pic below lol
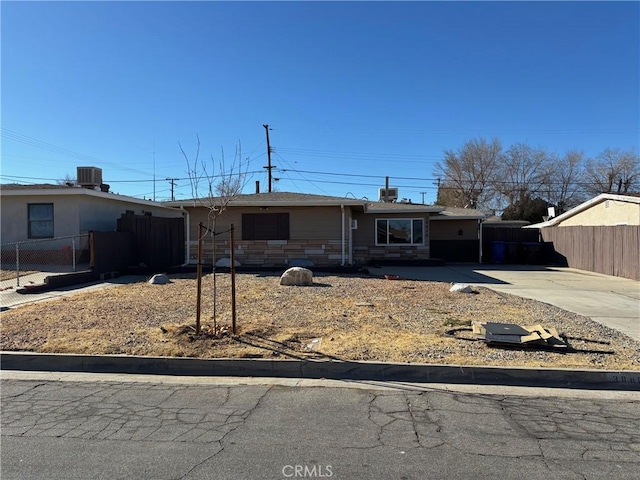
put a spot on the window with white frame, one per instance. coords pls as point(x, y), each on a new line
point(399, 231)
point(40, 220)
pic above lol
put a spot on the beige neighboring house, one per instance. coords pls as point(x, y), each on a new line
point(34, 212)
point(281, 228)
point(606, 209)
point(600, 235)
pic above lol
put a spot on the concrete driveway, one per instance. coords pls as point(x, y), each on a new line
point(612, 301)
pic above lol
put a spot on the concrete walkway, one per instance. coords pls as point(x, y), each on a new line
point(612, 301)
point(11, 298)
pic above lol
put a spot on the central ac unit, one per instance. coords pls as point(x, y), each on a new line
point(391, 196)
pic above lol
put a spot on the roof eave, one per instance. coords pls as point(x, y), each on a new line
point(65, 191)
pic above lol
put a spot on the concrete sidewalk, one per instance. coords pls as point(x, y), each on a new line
point(611, 301)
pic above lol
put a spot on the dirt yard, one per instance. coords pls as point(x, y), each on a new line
point(343, 317)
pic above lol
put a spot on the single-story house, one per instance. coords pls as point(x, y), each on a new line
point(600, 235)
point(606, 209)
point(33, 212)
point(282, 228)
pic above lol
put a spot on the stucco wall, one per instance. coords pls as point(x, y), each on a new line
point(14, 223)
point(73, 213)
point(606, 213)
point(102, 214)
point(450, 229)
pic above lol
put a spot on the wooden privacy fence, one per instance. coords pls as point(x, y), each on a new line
point(111, 252)
point(511, 237)
point(158, 242)
point(152, 243)
point(609, 250)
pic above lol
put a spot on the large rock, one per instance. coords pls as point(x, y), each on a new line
point(226, 262)
point(461, 288)
point(159, 279)
point(297, 276)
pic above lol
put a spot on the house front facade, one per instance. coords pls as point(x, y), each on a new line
point(281, 228)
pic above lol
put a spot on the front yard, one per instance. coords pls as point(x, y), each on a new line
point(344, 317)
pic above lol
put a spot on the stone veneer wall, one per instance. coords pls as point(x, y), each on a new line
point(365, 254)
point(270, 253)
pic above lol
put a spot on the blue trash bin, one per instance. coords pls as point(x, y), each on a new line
point(498, 252)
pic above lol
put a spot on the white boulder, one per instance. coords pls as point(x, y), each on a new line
point(297, 276)
point(159, 279)
point(226, 262)
point(461, 288)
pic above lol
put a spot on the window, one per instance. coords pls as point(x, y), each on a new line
point(40, 220)
point(397, 231)
point(265, 226)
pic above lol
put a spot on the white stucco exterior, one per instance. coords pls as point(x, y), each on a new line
point(75, 210)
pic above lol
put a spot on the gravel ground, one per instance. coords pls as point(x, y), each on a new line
point(346, 317)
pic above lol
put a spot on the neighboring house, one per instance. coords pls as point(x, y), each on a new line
point(600, 235)
point(606, 209)
point(280, 228)
point(34, 212)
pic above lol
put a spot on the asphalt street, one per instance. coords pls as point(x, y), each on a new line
point(78, 426)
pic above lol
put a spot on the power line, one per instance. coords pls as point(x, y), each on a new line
point(302, 176)
point(34, 142)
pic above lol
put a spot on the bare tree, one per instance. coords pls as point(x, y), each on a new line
point(67, 181)
point(612, 171)
point(214, 188)
point(469, 172)
point(450, 196)
point(561, 177)
point(520, 173)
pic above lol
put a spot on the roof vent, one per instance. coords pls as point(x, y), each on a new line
point(89, 177)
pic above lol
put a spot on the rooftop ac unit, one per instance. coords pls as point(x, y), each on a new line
point(392, 194)
point(89, 176)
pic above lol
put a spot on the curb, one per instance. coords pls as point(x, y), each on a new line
point(328, 369)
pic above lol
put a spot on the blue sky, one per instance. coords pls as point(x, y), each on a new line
point(357, 90)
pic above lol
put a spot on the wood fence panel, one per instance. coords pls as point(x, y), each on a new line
point(158, 241)
point(610, 250)
point(111, 251)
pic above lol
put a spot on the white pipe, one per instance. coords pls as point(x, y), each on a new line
point(350, 241)
point(480, 225)
point(188, 238)
point(342, 231)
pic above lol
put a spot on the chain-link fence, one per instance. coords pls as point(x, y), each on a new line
point(31, 261)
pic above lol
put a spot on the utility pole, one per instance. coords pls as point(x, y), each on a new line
point(422, 193)
point(172, 182)
point(154, 167)
point(269, 167)
point(386, 189)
